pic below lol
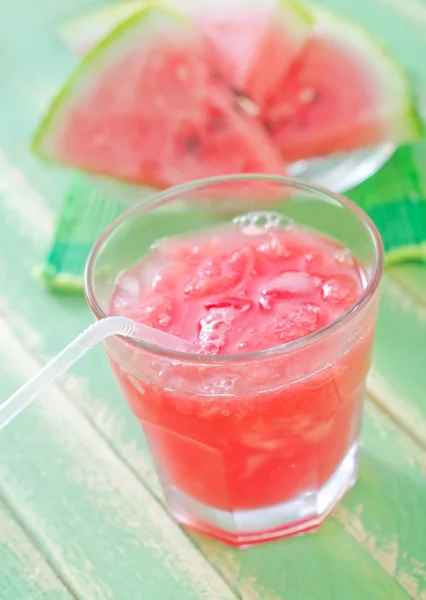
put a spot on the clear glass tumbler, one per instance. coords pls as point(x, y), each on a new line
point(256, 446)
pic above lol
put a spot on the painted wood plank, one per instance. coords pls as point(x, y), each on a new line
point(412, 279)
point(46, 322)
point(24, 572)
point(398, 377)
point(99, 526)
point(384, 513)
point(387, 507)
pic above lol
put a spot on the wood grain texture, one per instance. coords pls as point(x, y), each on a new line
point(413, 10)
point(100, 527)
point(411, 278)
point(398, 377)
point(24, 572)
point(380, 513)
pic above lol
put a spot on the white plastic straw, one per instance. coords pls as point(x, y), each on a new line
point(63, 361)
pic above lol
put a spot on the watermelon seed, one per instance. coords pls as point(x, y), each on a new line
point(270, 125)
point(192, 144)
point(248, 106)
point(216, 75)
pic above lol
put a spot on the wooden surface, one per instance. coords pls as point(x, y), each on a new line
point(81, 512)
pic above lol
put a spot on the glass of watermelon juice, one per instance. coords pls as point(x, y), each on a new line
point(255, 430)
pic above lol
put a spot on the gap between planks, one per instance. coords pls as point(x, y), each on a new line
point(379, 392)
point(34, 568)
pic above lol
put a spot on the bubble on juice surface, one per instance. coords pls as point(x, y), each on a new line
point(221, 273)
point(214, 327)
point(220, 318)
point(259, 222)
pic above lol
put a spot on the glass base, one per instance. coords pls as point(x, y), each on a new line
point(244, 528)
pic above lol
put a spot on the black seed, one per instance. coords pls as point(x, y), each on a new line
point(270, 126)
point(216, 75)
point(192, 144)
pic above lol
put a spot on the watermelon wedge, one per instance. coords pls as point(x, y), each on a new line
point(342, 93)
point(147, 106)
point(256, 41)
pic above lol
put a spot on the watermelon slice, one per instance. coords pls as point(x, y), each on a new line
point(147, 106)
point(343, 92)
point(244, 33)
point(256, 41)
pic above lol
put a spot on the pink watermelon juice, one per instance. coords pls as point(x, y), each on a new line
point(251, 441)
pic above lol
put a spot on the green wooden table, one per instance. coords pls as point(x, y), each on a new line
point(81, 512)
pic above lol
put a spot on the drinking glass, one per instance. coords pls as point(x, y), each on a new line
point(255, 446)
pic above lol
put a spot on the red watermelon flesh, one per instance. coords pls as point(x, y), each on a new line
point(257, 42)
point(342, 93)
point(310, 115)
point(155, 113)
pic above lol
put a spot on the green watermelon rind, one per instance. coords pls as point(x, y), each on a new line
point(103, 19)
point(403, 118)
point(304, 14)
point(93, 62)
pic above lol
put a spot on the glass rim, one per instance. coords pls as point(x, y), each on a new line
point(173, 192)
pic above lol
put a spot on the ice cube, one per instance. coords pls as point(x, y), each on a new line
point(222, 273)
point(155, 311)
point(345, 257)
point(340, 289)
point(130, 285)
point(295, 323)
point(291, 283)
